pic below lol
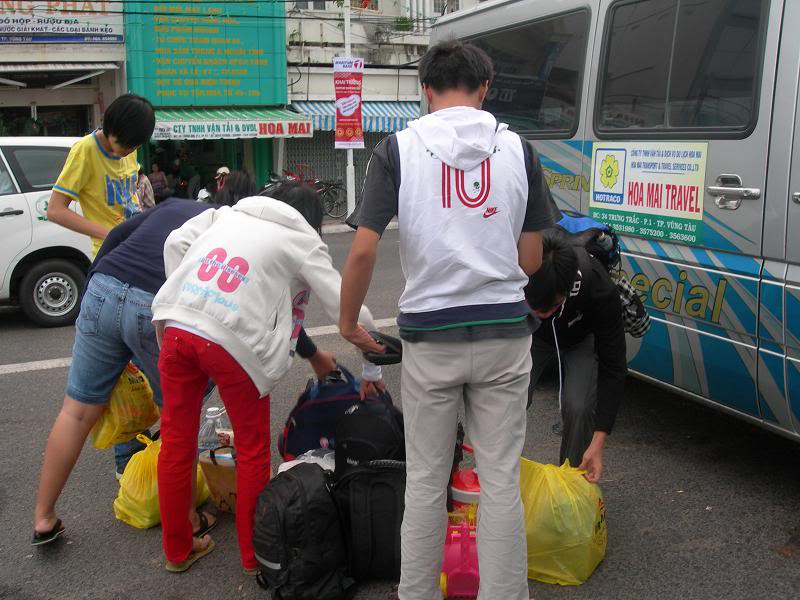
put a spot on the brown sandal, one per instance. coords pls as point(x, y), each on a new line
point(193, 557)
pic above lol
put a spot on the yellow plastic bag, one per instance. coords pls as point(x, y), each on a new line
point(137, 501)
point(130, 410)
point(565, 523)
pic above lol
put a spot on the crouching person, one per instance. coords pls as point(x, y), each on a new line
point(238, 282)
point(581, 328)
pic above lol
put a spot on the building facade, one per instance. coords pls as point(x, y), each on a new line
point(391, 36)
point(216, 72)
point(61, 63)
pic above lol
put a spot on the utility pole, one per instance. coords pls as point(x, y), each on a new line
point(350, 173)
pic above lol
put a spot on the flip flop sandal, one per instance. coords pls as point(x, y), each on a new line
point(46, 537)
point(393, 350)
point(190, 560)
point(204, 526)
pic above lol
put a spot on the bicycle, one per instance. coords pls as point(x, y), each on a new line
point(334, 201)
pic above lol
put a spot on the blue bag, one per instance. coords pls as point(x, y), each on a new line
point(312, 422)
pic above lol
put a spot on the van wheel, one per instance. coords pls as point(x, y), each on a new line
point(50, 293)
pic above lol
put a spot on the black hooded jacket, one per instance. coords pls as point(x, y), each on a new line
point(594, 307)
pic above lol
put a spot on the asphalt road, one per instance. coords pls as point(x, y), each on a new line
point(699, 505)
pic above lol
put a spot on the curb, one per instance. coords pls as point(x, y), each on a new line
point(344, 228)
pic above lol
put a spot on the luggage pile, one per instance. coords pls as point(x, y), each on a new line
point(331, 517)
point(318, 532)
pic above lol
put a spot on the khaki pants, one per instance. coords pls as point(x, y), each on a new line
point(491, 377)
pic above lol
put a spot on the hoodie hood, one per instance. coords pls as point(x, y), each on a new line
point(275, 211)
point(461, 137)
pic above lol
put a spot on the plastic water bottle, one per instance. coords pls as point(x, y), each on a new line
point(216, 421)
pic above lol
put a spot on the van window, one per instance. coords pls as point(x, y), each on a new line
point(538, 73)
point(37, 168)
point(682, 65)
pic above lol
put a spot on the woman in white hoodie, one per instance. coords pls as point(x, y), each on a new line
point(238, 281)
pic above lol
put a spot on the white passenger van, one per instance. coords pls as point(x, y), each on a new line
point(674, 121)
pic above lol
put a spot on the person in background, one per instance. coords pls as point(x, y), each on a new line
point(115, 326)
point(194, 186)
point(159, 182)
point(581, 328)
point(144, 191)
point(471, 201)
point(221, 176)
point(227, 270)
point(101, 174)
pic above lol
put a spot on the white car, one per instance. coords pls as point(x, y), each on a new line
point(43, 266)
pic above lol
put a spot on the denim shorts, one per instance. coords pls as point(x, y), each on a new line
point(113, 327)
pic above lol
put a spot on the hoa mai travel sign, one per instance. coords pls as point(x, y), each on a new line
point(231, 129)
point(650, 189)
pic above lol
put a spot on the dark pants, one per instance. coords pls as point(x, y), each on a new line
point(578, 392)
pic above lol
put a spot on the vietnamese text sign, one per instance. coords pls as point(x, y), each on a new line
point(86, 22)
point(348, 75)
point(652, 189)
point(207, 53)
point(231, 129)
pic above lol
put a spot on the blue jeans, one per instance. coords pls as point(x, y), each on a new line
point(114, 327)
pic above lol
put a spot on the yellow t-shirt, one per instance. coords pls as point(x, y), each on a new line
point(104, 184)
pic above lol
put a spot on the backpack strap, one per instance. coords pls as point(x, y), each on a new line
point(361, 528)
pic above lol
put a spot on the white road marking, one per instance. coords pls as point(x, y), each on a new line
point(36, 365)
point(60, 363)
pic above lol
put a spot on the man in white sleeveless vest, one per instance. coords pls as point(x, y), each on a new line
point(470, 199)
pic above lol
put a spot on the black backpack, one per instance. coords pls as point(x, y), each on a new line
point(368, 431)
point(297, 536)
point(371, 500)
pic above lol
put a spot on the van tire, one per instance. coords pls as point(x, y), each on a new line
point(50, 292)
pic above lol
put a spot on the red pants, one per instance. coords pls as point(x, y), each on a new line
point(186, 363)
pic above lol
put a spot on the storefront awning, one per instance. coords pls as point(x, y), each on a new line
point(230, 123)
point(376, 116)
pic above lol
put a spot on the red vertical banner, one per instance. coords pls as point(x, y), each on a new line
point(348, 74)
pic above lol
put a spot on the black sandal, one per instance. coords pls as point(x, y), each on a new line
point(46, 537)
point(204, 526)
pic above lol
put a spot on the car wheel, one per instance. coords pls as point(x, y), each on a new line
point(50, 293)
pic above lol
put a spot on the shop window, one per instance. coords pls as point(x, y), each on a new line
point(37, 168)
point(696, 65)
point(538, 73)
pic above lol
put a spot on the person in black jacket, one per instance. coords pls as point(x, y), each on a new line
point(581, 327)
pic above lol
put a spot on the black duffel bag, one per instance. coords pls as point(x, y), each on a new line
point(371, 499)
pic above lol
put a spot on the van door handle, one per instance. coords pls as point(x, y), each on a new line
point(728, 192)
point(11, 213)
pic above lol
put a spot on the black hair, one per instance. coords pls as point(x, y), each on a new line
point(238, 185)
point(303, 198)
point(451, 65)
point(131, 119)
point(556, 276)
